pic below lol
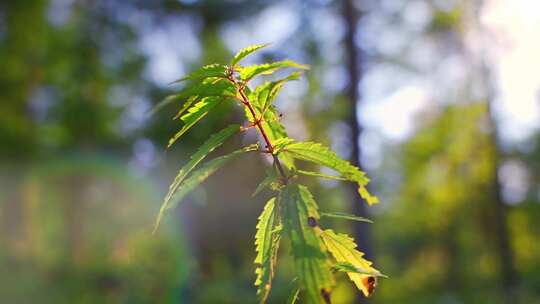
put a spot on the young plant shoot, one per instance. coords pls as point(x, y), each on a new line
point(292, 214)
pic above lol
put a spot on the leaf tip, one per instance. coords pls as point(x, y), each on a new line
point(364, 193)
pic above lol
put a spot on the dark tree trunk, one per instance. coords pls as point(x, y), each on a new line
point(362, 233)
point(509, 275)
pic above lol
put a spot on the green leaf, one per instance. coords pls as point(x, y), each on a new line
point(293, 297)
point(163, 103)
point(207, 147)
point(268, 182)
point(299, 218)
point(321, 155)
point(196, 91)
point(247, 73)
point(207, 71)
point(282, 142)
point(194, 114)
point(186, 106)
point(343, 249)
point(210, 87)
point(266, 245)
point(264, 95)
point(205, 171)
point(348, 267)
point(273, 129)
point(319, 174)
point(364, 193)
point(346, 216)
point(243, 53)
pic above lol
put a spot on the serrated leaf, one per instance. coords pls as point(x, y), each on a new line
point(163, 103)
point(293, 297)
point(273, 129)
point(267, 182)
point(346, 216)
point(197, 177)
point(194, 114)
point(299, 222)
point(364, 193)
point(243, 53)
point(266, 245)
point(210, 87)
point(282, 142)
point(207, 71)
point(198, 90)
point(186, 106)
point(266, 93)
point(206, 148)
point(321, 155)
point(348, 267)
point(319, 174)
point(247, 73)
point(343, 249)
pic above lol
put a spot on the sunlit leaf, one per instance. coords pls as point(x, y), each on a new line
point(273, 129)
point(194, 114)
point(265, 94)
point(266, 246)
point(243, 53)
point(247, 73)
point(197, 90)
point(300, 218)
point(364, 193)
point(270, 179)
point(346, 216)
point(343, 249)
point(319, 174)
point(293, 297)
point(321, 155)
point(211, 70)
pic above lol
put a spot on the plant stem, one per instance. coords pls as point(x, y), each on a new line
point(258, 123)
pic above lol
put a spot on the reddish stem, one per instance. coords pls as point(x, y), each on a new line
point(258, 123)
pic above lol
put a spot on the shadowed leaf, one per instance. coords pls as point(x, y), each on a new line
point(310, 260)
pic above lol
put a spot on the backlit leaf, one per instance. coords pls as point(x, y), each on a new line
point(273, 129)
point(264, 95)
point(194, 114)
point(247, 73)
point(343, 249)
point(266, 246)
point(300, 218)
point(211, 70)
point(270, 179)
point(321, 155)
point(207, 147)
point(197, 90)
point(319, 174)
point(346, 216)
point(205, 171)
point(243, 53)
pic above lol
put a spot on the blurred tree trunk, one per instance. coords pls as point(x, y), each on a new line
point(499, 213)
point(362, 233)
point(509, 277)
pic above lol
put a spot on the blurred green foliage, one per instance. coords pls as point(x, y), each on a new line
point(66, 242)
point(76, 211)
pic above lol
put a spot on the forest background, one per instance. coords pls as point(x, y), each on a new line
point(439, 101)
